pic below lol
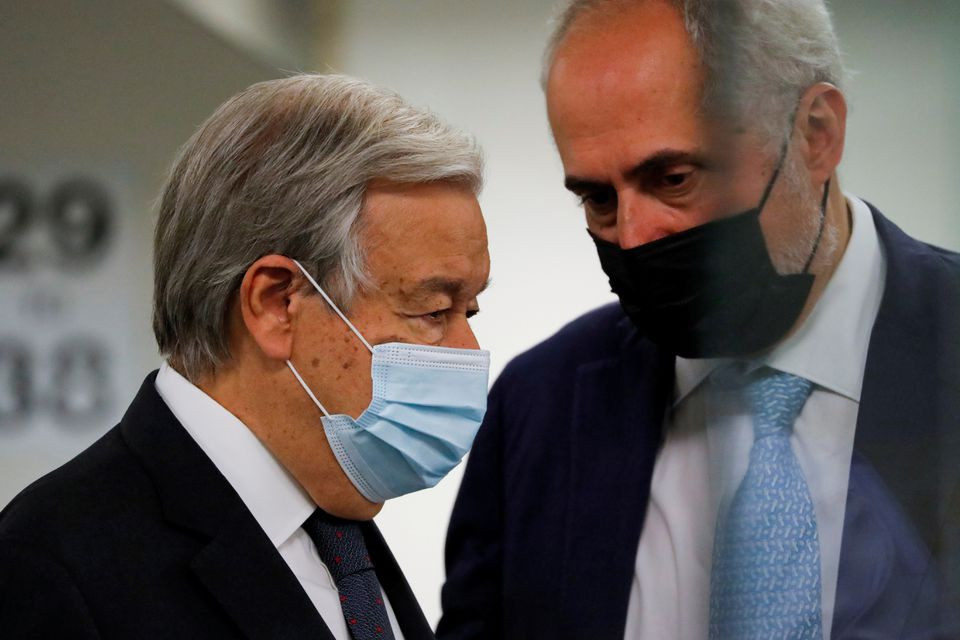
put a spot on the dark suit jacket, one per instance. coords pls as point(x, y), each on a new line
point(140, 536)
point(544, 534)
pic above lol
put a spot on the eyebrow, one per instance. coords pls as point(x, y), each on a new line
point(441, 284)
point(651, 165)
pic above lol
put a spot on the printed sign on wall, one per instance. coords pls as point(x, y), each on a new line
point(66, 370)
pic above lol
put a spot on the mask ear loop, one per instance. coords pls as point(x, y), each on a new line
point(823, 220)
point(307, 389)
point(823, 201)
point(333, 306)
point(773, 178)
point(342, 317)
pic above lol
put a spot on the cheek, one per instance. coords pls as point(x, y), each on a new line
point(433, 335)
point(379, 324)
point(791, 233)
point(418, 331)
point(335, 355)
point(350, 352)
point(604, 232)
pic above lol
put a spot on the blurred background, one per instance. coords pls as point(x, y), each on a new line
point(96, 97)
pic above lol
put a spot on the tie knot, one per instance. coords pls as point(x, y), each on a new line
point(339, 543)
point(776, 399)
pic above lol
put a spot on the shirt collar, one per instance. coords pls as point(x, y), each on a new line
point(830, 347)
point(276, 501)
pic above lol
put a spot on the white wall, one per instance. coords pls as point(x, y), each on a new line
point(477, 64)
point(903, 145)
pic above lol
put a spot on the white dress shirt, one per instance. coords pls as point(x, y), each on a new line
point(707, 441)
point(278, 503)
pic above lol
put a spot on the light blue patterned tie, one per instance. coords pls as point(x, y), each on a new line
point(765, 582)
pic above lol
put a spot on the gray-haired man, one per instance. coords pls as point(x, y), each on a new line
point(226, 502)
point(761, 440)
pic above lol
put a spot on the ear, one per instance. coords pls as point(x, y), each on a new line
point(268, 301)
point(821, 127)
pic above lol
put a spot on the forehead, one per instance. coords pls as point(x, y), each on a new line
point(631, 78)
point(417, 233)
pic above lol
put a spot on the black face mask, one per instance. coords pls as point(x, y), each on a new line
point(710, 291)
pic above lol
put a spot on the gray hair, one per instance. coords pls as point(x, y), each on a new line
point(282, 168)
point(759, 55)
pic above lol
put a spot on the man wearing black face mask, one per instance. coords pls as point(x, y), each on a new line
point(762, 439)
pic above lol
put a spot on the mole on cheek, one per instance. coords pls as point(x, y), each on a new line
point(315, 362)
point(346, 365)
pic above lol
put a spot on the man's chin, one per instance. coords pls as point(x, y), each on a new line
point(354, 507)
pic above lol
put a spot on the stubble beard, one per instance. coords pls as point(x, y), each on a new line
point(803, 202)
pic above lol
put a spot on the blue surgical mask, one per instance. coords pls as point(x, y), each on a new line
point(426, 406)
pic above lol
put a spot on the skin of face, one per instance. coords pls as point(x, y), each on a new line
point(426, 250)
point(624, 102)
point(427, 262)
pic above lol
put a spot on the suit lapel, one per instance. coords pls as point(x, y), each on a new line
point(412, 622)
point(908, 405)
point(236, 562)
point(255, 586)
point(618, 413)
point(906, 428)
point(899, 419)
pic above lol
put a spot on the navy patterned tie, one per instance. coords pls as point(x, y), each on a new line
point(765, 582)
point(341, 547)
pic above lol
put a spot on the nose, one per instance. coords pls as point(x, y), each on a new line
point(640, 220)
point(460, 335)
